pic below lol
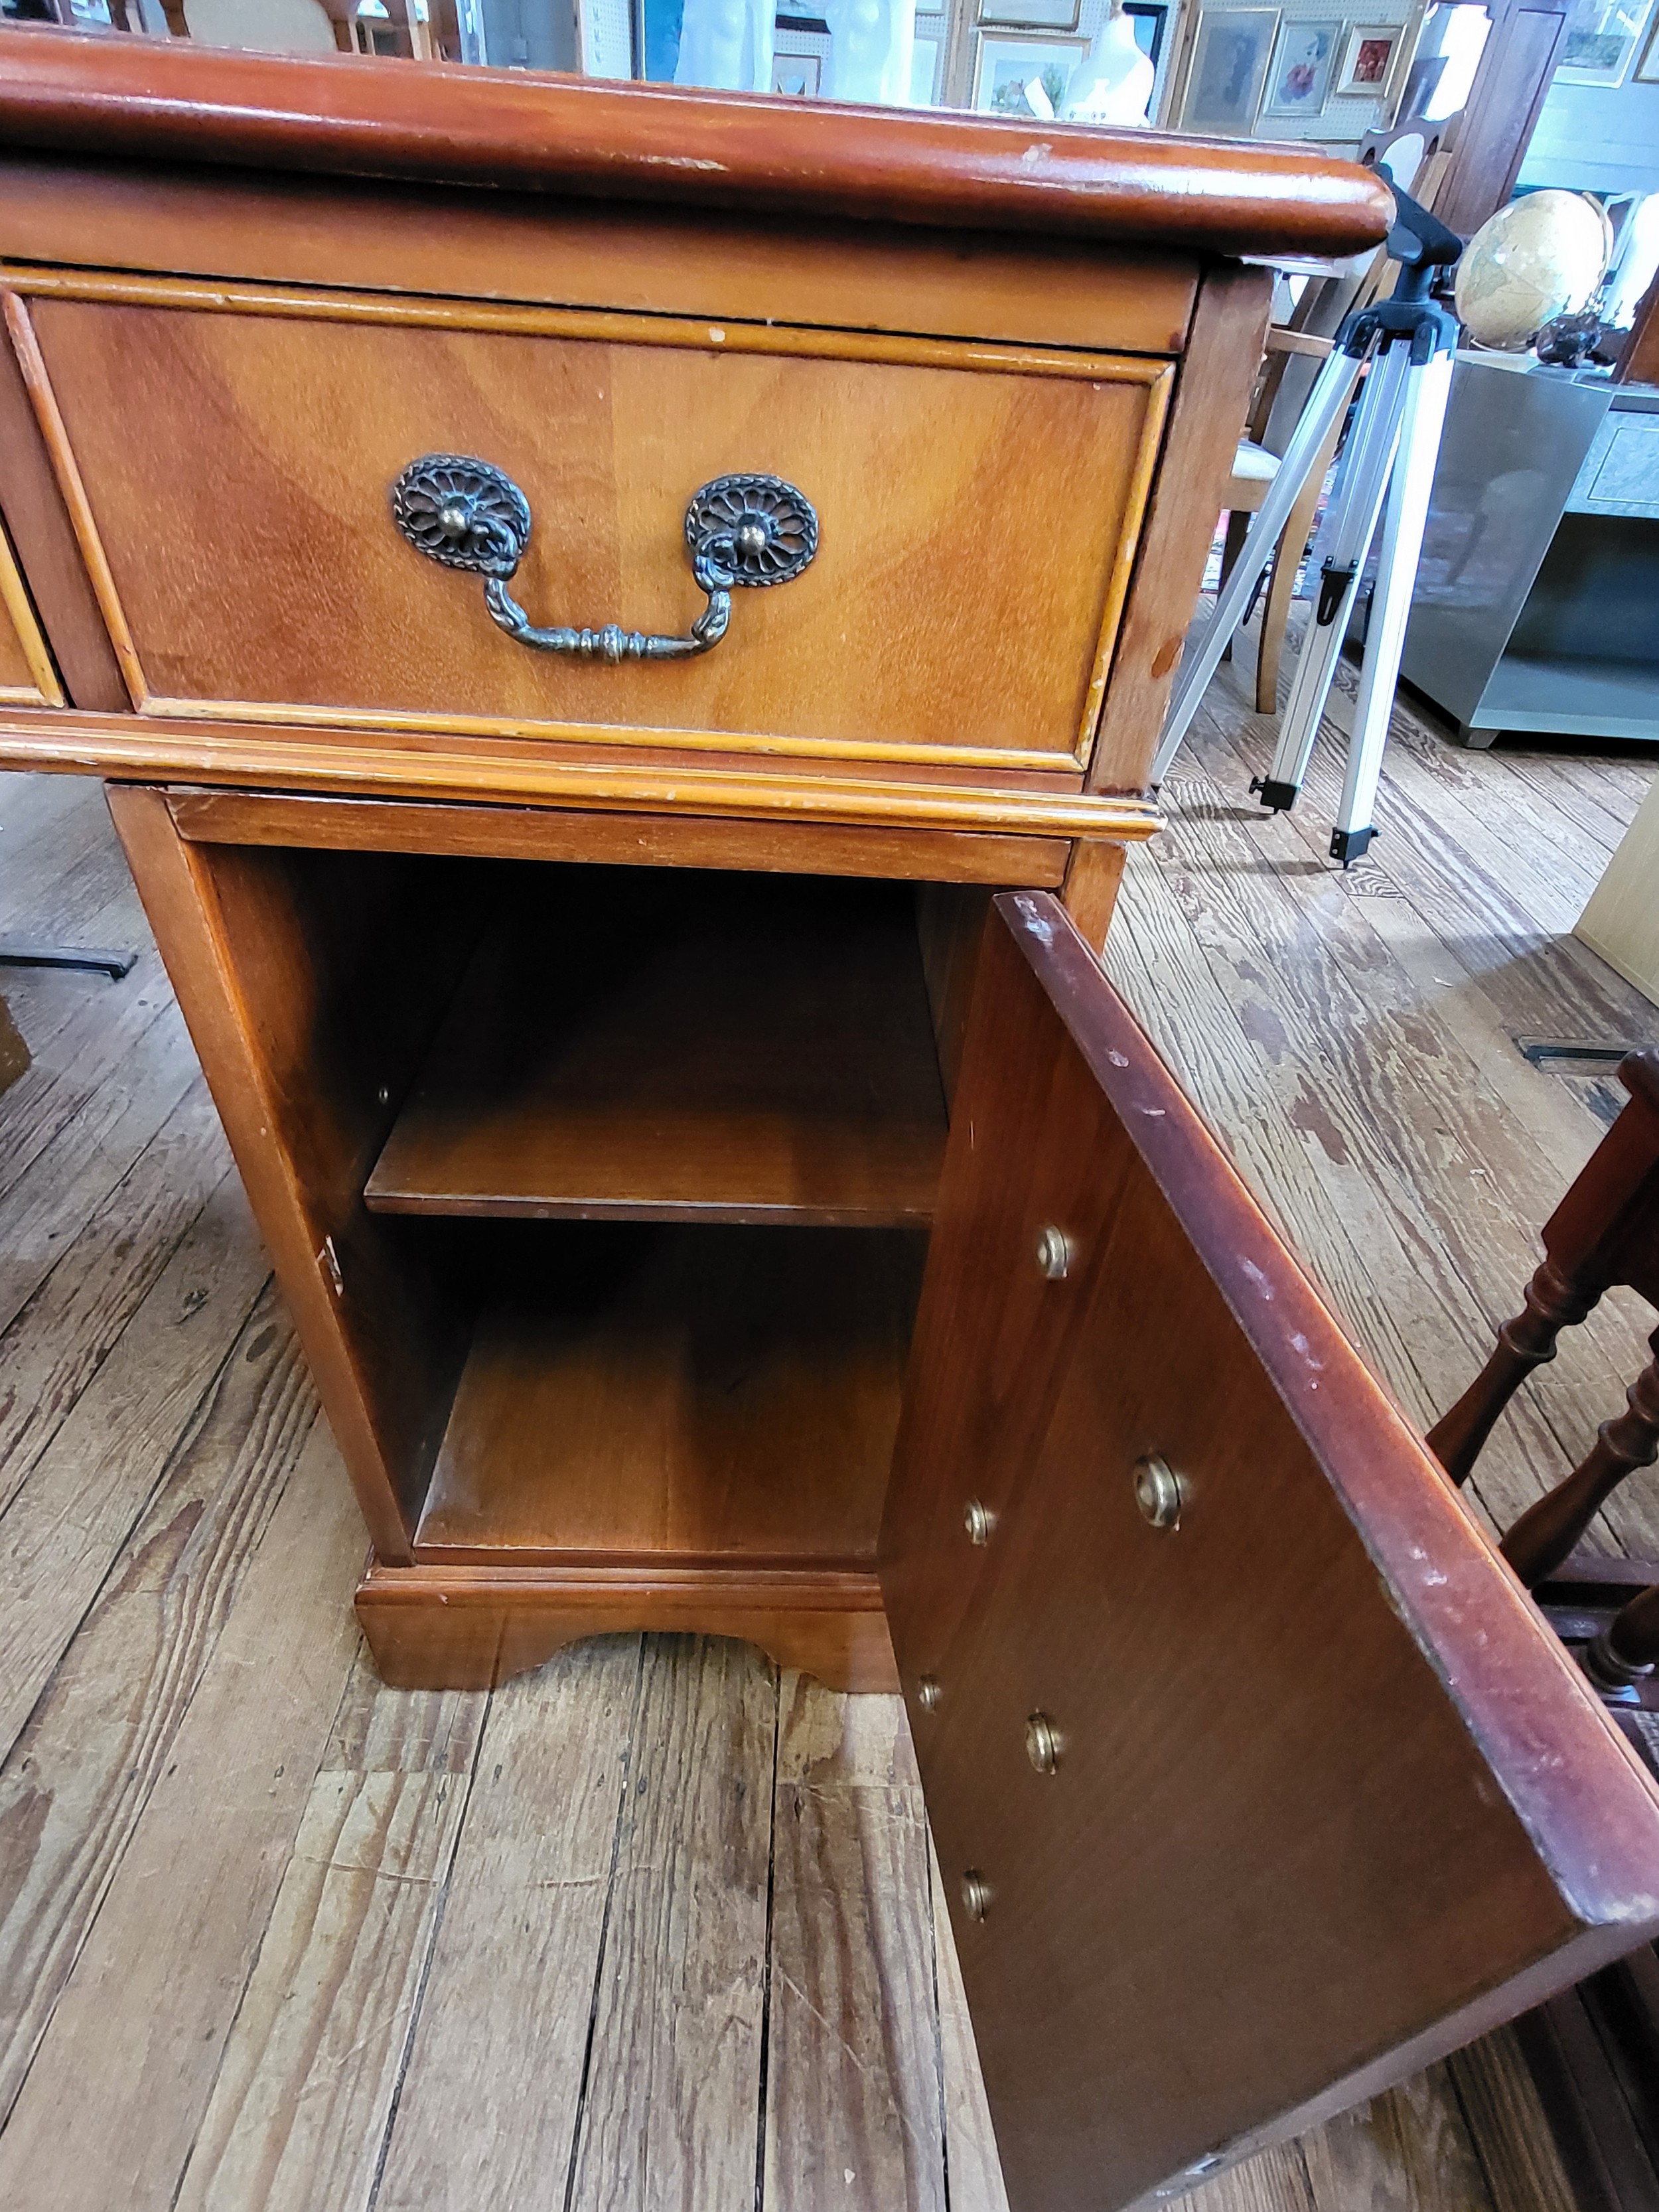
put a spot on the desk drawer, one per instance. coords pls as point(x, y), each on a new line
point(978, 508)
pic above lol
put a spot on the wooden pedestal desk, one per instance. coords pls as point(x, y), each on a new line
point(714, 1183)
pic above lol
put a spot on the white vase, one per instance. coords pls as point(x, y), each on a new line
point(727, 44)
point(870, 44)
point(1113, 84)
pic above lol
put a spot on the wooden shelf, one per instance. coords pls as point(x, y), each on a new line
point(678, 1046)
point(671, 1395)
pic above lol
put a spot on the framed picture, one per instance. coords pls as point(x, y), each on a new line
point(798, 75)
point(1150, 19)
point(1230, 53)
point(1368, 59)
point(924, 70)
point(1600, 37)
point(1303, 66)
point(1003, 67)
point(1032, 15)
point(1647, 69)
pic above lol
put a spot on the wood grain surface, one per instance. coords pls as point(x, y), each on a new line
point(1300, 1487)
point(495, 2069)
point(272, 757)
point(303, 601)
point(652, 841)
point(591, 139)
point(706, 1049)
point(27, 675)
point(1205, 424)
point(288, 228)
point(38, 524)
point(672, 2071)
point(479, 1627)
point(854, 2093)
point(677, 1395)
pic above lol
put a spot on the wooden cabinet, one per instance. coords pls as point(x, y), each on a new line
point(713, 1181)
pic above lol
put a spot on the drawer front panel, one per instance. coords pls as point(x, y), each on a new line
point(978, 509)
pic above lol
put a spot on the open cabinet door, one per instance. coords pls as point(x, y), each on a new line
point(1256, 1780)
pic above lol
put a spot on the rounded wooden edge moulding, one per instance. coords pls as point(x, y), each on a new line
point(158, 100)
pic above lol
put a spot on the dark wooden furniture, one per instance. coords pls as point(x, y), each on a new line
point(702, 1204)
point(1594, 2051)
point(1604, 1233)
point(1501, 112)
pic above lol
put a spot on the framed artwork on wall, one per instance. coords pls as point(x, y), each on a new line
point(1232, 50)
point(1150, 19)
point(1601, 38)
point(1303, 65)
point(1647, 69)
point(1005, 66)
point(1032, 15)
point(1368, 59)
point(798, 75)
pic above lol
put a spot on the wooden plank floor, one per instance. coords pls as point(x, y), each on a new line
point(656, 1930)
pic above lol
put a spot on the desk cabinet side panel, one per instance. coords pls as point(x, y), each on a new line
point(1205, 422)
point(310, 982)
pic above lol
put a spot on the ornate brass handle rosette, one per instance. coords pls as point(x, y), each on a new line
point(741, 530)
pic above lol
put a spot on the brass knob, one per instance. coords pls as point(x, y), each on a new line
point(1159, 1491)
point(1054, 1253)
point(975, 1894)
point(1042, 1743)
point(929, 1696)
point(979, 1521)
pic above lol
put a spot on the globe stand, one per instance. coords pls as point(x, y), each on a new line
point(1386, 474)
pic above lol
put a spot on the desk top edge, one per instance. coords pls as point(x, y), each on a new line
point(150, 99)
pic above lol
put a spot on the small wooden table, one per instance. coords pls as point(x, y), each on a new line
point(704, 1205)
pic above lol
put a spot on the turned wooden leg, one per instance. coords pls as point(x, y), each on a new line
point(1546, 1532)
point(1554, 1303)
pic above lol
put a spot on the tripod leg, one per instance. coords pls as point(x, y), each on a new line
point(1339, 553)
point(1326, 405)
point(1428, 390)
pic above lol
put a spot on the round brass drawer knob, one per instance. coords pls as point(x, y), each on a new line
point(975, 1894)
point(979, 1521)
point(1159, 1491)
point(1044, 1743)
point(1054, 1253)
point(929, 1695)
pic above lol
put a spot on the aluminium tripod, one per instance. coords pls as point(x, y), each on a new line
point(1403, 346)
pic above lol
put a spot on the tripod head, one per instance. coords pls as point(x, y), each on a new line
point(1421, 244)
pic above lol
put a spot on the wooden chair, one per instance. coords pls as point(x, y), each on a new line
point(1604, 1232)
point(1254, 466)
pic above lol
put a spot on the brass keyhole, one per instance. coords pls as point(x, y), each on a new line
point(975, 1894)
point(979, 1521)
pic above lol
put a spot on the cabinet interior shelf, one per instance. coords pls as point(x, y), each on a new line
point(706, 1049)
point(652, 1393)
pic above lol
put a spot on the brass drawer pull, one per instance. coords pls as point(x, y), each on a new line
point(741, 530)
